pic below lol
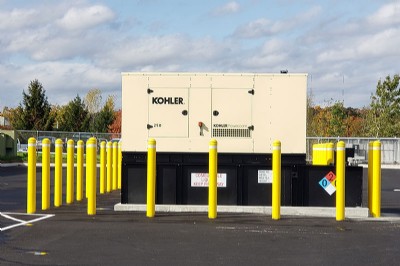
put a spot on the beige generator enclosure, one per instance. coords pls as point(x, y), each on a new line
point(244, 112)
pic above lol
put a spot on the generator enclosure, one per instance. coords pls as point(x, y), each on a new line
point(244, 112)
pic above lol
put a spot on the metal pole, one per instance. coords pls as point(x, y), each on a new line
point(276, 180)
point(340, 181)
point(114, 166)
point(31, 182)
point(212, 179)
point(58, 174)
point(109, 166)
point(79, 170)
point(370, 170)
point(376, 177)
point(151, 178)
point(102, 167)
point(119, 164)
point(70, 171)
point(91, 160)
point(45, 174)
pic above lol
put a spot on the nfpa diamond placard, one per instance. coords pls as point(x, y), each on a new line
point(328, 183)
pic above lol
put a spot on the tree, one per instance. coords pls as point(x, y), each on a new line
point(115, 127)
point(93, 101)
point(337, 119)
point(75, 116)
point(104, 118)
point(384, 116)
point(34, 112)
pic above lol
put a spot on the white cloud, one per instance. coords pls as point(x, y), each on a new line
point(86, 17)
point(388, 14)
point(228, 8)
point(264, 27)
point(18, 18)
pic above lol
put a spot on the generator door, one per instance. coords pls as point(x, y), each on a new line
point(168, 112)
point(231, 113)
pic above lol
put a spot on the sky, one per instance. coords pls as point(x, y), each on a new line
point(73, 46)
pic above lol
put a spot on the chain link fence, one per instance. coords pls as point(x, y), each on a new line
point(22, 137)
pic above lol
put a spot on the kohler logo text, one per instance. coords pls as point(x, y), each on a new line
point(167, 100)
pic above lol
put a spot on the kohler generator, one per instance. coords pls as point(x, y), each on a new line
point(244, 112)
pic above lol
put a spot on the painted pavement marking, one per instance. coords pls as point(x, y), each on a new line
point(20, 222)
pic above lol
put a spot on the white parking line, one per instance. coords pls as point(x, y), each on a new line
point(7, 215)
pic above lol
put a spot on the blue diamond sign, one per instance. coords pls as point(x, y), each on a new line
point(328, 183)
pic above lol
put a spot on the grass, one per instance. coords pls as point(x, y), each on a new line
point(14, 159)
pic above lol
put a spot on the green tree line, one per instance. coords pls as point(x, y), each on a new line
point(78, 115)
point(380, 119)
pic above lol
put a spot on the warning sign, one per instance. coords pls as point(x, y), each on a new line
point(328, 183)
point(201, 179)
point(264, 176)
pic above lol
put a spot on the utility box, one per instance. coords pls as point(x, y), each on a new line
point(245, 112)
point(8, 144)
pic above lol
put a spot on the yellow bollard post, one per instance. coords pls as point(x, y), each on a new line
point(151, 178)
point(109, 166)
point(58, 173)
point(376, 179)
point(79, 170)
point(212, 178)
point(45, 174)
point(276, 180)
point(119, 164)
point(114, 166)
point(102, 167)
point(91, 163)
point(70, 171)
point(89, 168)
point(340, 181)
point(370, 170)
point(31, 182)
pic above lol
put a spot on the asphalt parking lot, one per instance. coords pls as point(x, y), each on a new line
point(71, 237)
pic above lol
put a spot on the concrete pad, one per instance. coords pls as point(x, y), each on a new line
point(351, 212)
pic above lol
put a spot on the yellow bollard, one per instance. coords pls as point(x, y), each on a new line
point(376, 179)
point(151, 178)
point(370, 170)
point(89, 169)
point(79, 170)
point(109, 166)
point(70, 171)
point(119, 164)
point(45, 174)
point(276, 180)
point(114, 166)
point(31, 182)
point(340, 181)
point(102, 167)
point(212, 178)
point(58, 173)
point(91, 165)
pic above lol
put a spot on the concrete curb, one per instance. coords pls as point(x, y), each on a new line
point(351, 212)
